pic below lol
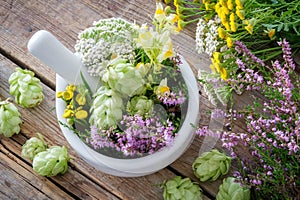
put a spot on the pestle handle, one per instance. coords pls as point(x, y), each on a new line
point(44, 46)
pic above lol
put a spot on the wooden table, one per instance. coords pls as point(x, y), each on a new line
point(19, 20)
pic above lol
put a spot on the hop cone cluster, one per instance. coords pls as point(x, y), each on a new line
point(230, 190)
point(106, 108)
point(51, 161)
point(10, 119)
point(33, 146)
point(181, 189)
point(210, 165)
point(26, 88)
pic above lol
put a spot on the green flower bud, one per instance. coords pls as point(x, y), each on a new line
point(124, 78)
point(33, 146)
point(51, 162)
point(211, 165)
point(183, 189)
point(10, 119)
point(140, 105)
point(106, 110)
point(231, 190)
point(26, 88)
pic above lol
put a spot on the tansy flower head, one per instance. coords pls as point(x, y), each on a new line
point(223, 73)
point(239, 4)
point(229, 42)
point(240, 13)
point(222, 33)
point(230, 4)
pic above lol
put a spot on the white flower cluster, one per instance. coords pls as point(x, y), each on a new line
point(207, 36)
point(214, 88)
point(107, 39)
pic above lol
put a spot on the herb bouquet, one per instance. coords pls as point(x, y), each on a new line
point(137, 119)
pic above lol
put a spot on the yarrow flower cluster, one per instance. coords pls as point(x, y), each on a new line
point(138, 106)
point(207, 36)
point(107, 39)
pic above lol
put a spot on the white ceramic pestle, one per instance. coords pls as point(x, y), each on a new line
point(44, 46)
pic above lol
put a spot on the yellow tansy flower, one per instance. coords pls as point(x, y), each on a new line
point(239, 4)
point(240, 13)
point(223, 73)
point(230, 4)
point(232, 22)
point(81, 114)
point(229, 42)
point(222, 33)
point(68, 95)
point(227, 26)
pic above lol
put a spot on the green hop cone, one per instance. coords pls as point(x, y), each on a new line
point(26, 88)
point(51, 161)
point(231, 190)
point(106, 110)
point(140, 105)
point(124, 78)
point(33, 146)
point(211, 165)
point(10, 119)
point(183, 189)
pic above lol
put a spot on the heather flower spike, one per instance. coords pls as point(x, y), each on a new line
point(26, 88)
point(211, 165)
point(231, 190)
point(181, 188)
point(10, 119)
point(51, 162)
point(33, 146)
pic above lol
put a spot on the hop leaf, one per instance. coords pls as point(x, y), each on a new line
point(231, 190)
point(183, 189)
point(210, 165)
point(51, 162)
point(33, 146)
point(9, 119)
point(26, 88)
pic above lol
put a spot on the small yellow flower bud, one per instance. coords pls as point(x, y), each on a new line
point(59, 94)
point(71, 87)
point(240, 13)
point(68, 113)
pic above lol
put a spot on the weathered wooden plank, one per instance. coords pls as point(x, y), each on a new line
point(18, 182)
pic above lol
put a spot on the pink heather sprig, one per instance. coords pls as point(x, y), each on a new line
point(172, 99)
point(138, 136)
point(247, 54)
